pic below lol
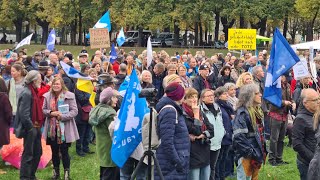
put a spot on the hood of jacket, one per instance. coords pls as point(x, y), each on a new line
point(100, 113)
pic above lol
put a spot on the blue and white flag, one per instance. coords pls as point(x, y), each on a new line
point(282, 58)
point(72, 72)
point(121, 38)
point(113, 54)
point(127, 131)
point(25, 41)
point(51, 40)
point(104, 22)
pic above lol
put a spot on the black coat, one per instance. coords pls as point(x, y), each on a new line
point(303, 135)
point(314, 166)
point(5, 119)
point(199, 83)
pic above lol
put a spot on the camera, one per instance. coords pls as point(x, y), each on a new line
point(150, 94)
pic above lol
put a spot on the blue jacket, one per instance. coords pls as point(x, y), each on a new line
point(174, 151)
point(226, 110)
point(246, 141)
point(195, 71)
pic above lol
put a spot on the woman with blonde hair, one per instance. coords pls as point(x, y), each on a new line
point(60, 130)
point(146, 79)
point(244, 78)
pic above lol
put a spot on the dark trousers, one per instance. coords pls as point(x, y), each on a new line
point(85, 132)
point(267, 128)
point(303, 170)
point(31, 154)
point(230, 161)
point(213, 161)
point(60, 148)
point(278, 132)
point(289, 133)
point(221, 163)
point(109, 173)
point(128, 168)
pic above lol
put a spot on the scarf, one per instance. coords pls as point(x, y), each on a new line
point(189, 112)
point(56, 127)
point(36, 111)
point(211, 108)
point(256, 115)
point(13, 95)
point(226, 106)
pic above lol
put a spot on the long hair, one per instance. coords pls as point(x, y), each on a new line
point(246, 95)
point(240, 82)
point(3, 87)
point(58, 78)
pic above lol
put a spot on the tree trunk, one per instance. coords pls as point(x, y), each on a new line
point(217, 24)
point(166, 29)
point(201, 33)
point(45, 30)
point(27, 28)
point(206, 34)
point(63, 35)
point(196, 33)
point(285, 25)
point(242, 22)
point(141, 37)
point(73, 31)
point(226, 25)
point(18, 26)
point(263, 26)
point(309, 32)
point(176, 30)
point(80, 28)
point(185, 37)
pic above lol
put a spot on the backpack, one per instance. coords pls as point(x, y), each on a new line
point(155, 140)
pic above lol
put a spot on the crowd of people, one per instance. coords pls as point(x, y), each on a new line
point(211, 116)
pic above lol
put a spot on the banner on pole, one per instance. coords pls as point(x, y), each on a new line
point(300, 69)
point(242, 39)
point(99, 38)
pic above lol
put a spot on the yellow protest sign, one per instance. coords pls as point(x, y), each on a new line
point(99, 38)
point(242, 39)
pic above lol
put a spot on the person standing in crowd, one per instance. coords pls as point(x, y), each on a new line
point(83, 59)
point(212, 111)
point(192, 68)
point(278, 124)
point(237, 69)
point(158, 75)
point(101, 117)
point(249, 143)
point(68, 81)
point(60, 130)
point(303, 134)
point(30, 116)
point(225, 76)
point(313, 171)
point(221, 93)
point(302, 84)
point(251, 63)
point(146, 79)
point(200, 131)
point(54, 62)
point(15, 86)
point(202, 82)
point(187, 82)
point(130, 64)
point(244, 78)
point(174, 151)
point(121, 75)
point(5, 116)
point(232, 99)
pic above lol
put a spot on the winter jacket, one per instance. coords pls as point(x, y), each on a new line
point(71, 131)
point(100, 118)
point(314, 166)
point(157, 81)
point(227, 111)
point(82, 99)
point(286, 96)
point(199, 83)
point(194, 72)
point(246, 140)
point(225, 79)
point(303, 135)
point(174, 151)
point(260, 83)
point(200, 148)
point(69, 82)
point(5, 119)
point(120, 78)
point(217, 122)
point(145, 85)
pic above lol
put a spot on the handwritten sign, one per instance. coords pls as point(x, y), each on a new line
point(242, 39)
point(99, 38)
point(300, 69)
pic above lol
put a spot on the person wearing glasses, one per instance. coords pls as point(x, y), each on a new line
point(303, 134)
point(248, 129)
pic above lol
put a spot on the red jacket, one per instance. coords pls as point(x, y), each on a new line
point(44, 88)
point(115, 66)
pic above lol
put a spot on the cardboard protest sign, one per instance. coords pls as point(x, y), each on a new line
point(99, 38)
point(242, 39)
point(300, 70)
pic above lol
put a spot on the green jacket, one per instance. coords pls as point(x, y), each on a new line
point(100, 118)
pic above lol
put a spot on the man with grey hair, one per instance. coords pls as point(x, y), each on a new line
point(121, 75)
point(303, 134)
point(248, 66)
point(28, 121)
point(54, 62)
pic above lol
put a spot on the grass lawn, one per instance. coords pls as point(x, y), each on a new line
point(75, 50)
point(87, 168)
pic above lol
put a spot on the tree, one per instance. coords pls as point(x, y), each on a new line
point(308, 9)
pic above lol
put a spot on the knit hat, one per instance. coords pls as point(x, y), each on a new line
point(106, 95)
point(174, 91)
point(31, 76)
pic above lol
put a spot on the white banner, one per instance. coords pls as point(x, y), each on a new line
point(300, 69)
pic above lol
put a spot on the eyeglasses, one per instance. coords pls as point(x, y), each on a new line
point(209, 96)
point(314, 100)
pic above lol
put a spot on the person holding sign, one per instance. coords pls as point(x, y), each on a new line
point(60, 130)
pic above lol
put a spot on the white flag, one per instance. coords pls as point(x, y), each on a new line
point(149, 53)
point(24, 41)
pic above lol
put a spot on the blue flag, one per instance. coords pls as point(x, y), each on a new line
point(72, 72)
point(282, 58)
point(127, 132)
point(51, 40)
point(121, 38)
point(104, 22)
point(113, 54)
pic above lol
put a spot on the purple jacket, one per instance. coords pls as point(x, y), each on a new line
point(71, 131)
